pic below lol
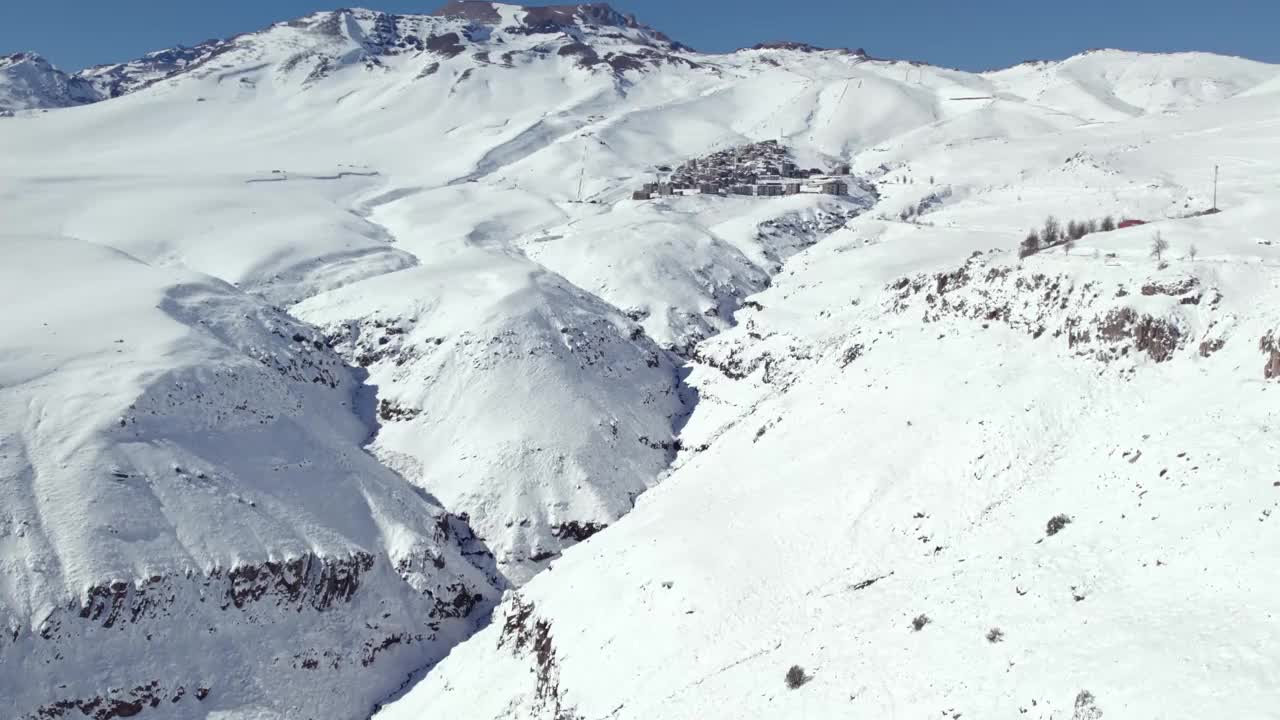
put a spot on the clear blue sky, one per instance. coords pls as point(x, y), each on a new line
point(970, 34)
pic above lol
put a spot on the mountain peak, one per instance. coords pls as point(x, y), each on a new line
point(803, 47)
point(29, 81)
point(483, 11)
point(572, 19)
point(21, 57)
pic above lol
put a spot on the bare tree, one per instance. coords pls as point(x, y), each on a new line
point(1193, 252)
point(1158, 247)
point(1108, 224)
point(1052, 231)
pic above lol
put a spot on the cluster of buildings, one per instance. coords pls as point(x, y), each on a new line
point(763, 169)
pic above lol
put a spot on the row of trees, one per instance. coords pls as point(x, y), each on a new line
point(926, 204)
point(1053, 234)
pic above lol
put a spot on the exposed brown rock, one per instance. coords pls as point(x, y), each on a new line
point(1036, 303)
point(524, 632)
point(1209, 347)
point(576, 531)
point(389, 411)
point(1172, 287)
point(1270, 343)
point(1157, 337)
point(482, 12)
point(307, 580)
point(117, 704)
point(448, 44)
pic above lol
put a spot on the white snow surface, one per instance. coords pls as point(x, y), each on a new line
point(292, 315)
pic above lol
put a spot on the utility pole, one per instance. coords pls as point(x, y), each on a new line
point(582, 169)
point(1215, 187)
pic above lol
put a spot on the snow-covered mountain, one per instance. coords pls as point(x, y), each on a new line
point(324, 337)
point(943, 481)
point(28, 81)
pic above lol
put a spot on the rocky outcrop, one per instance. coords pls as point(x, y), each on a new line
point(311, 613)
point(1157, 337)
point(1270, 344)
point(120, 702)
point(448, 44)
point(576, 531)
point(307, 582)
point(1093, 322)
point(524, 634)
point(788, 234)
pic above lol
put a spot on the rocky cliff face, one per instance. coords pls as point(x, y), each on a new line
point(1270, 345)
point(1094, 320)
point(317, 620)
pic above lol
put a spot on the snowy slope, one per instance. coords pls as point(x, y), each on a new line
point(512, 354)
point(185, 480)
point(888, 439)
point(535, 409)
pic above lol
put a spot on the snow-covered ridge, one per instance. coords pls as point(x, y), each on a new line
point(27, 80)
point(194, 475)
point(309, 48)
point(320, 43)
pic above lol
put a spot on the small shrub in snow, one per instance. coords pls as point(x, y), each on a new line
point(995, 635)
point(1056, 523)
point(919, 622)
point(796, 677)
point(1085, 707)
point(1030, 245)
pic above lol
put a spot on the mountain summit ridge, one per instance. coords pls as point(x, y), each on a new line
point(596, 34)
